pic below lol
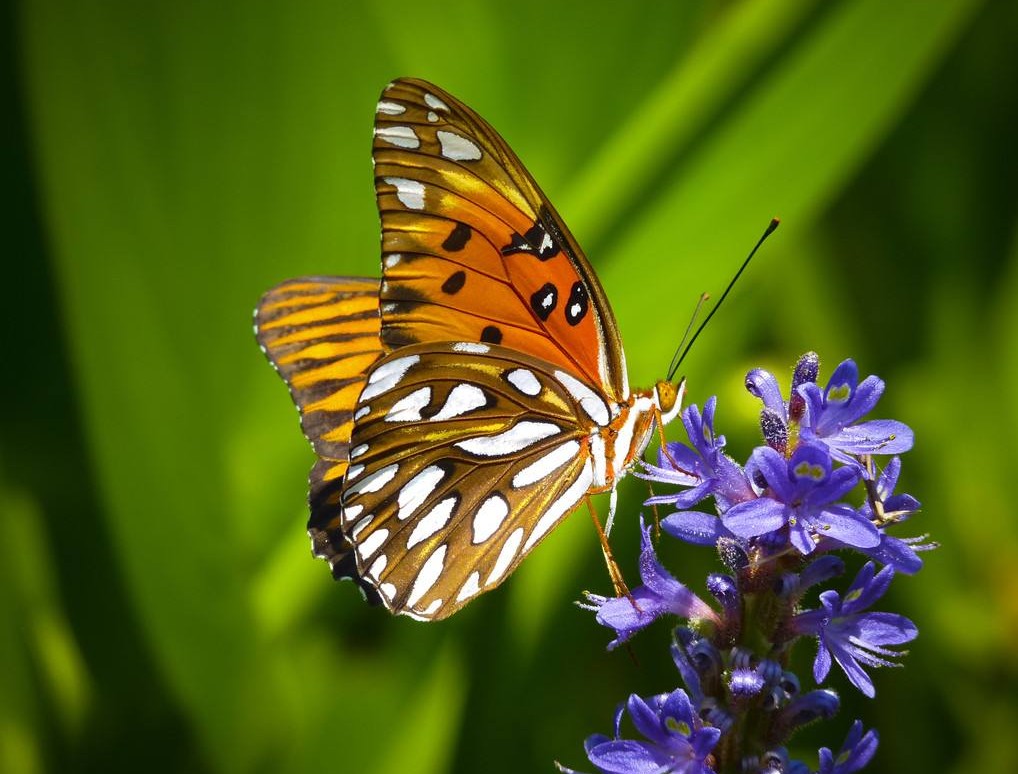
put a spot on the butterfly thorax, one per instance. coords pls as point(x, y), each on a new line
point(615, 447)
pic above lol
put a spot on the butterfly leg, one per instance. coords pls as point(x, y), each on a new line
point(621, 589)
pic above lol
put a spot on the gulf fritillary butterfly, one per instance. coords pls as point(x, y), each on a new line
point(461, 408)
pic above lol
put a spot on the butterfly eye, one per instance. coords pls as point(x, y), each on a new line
point(669, 398)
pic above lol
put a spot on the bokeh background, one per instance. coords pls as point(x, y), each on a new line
point(168, 161)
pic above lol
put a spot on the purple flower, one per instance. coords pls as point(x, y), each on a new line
point(857, 751)
point(801, 493)
point(703, 466)
point(851, 636)
point(676, 739)
point(901, 554)
point(831, 416)
point(660, 593)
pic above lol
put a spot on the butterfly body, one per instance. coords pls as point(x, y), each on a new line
point(464, 405)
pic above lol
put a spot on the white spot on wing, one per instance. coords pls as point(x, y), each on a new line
point(624, 440)
point(409, 192)
point(377, 567)
point(388, 591)
point(505, 556)
point(400, 136)
point(358, 450)
point(435, 103)
point(471, 348)
point(417, 490)
point(524, 381)
point(362, 412)
point(435, 520)
point(359, 527)
point(387, 376)
point(471, 587)
point(391, 108)
point(546, 465)
point(517, 437)
point(432, 116)
point(373, 482)
point(353, 471)
point(561, 506)
point(392, 260)
point(351, 512)
point(408, 409)
point(431, 609)
point(489, 517)
point(462, 398)
point(456, 147)
point(371, 544)
point(428, 576)
point(589, 400)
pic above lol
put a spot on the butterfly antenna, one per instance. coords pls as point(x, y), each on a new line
point(685, 335)
point(767, 232)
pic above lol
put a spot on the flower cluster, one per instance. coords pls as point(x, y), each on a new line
point(823, 482)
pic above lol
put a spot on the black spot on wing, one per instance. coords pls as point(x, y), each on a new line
point(543, 301)
point(458, 239)
point(454, 284)
point(537, 242)
point(491, 335)
point(578, 304)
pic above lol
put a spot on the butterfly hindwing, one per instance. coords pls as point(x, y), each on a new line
point(322, 335)
point(471, 248)
point(463, 458)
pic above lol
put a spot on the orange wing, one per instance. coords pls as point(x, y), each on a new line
point(471, 248)
point(321, 335)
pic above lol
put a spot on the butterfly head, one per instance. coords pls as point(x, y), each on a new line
point(668, 396)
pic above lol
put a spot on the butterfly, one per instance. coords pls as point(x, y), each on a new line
point(464, 405)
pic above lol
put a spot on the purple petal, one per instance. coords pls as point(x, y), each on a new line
point(822, 664)
point(678, 707)
point(895, 553)
point(696, 527)
point(886, 629)
point(763, 385)
point(756, 517)
point(686, 499)
point(703, 743)
point(855, 673)
point(624, 756)
point(866, 396)
point(646, 717)
point(888, 478)
point(838, 484)
point(801, 539)
point(878, 436)
point(774, 469)
point(730, 483)
point(867, 588)
point(845, 525)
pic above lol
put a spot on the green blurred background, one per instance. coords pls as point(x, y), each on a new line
point(169, 161)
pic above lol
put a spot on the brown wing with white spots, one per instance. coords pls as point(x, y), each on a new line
point(471, 248)
point(463, 457)
point(321, 335)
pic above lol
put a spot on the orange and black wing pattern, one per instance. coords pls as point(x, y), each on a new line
point(322, 335)
point(471, 248)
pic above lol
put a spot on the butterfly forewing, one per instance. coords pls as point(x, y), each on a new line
point(471, 248)
point(463, 457)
